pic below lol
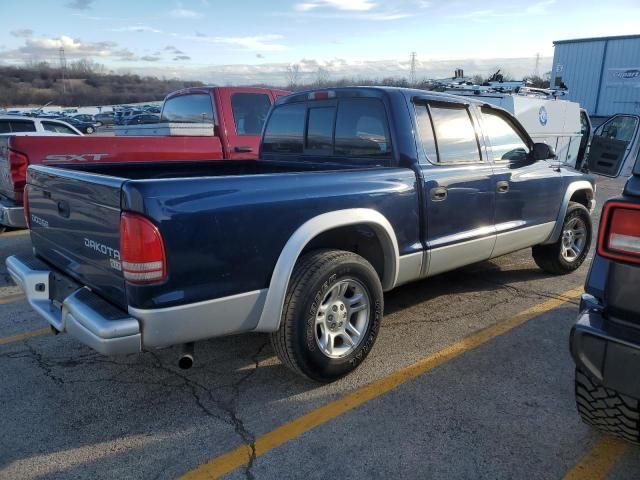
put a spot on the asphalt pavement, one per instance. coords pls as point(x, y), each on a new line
point(470, 378)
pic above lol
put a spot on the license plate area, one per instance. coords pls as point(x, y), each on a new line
point(60, 287)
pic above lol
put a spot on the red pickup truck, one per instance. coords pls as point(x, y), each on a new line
point(236, 115)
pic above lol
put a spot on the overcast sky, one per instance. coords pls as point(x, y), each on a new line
point(222, 41)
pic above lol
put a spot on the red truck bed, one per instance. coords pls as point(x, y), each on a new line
point(236, 114)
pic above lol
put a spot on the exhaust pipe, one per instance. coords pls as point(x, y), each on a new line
point(185, 362)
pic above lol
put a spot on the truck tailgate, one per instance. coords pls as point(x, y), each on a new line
point(75, 226)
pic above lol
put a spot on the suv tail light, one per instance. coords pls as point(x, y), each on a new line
point(619, 237)
point(18, 164)
point(142, 251)
point(25, 208)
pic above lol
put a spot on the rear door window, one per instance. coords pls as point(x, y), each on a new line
point(285, 130)
point(361, 128)
point(249, 112)
point(455, 135)
point(58, 128)
point(18, 126)
point(4, 126)
point(193, 108)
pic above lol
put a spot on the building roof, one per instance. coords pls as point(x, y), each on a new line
point(596, 39)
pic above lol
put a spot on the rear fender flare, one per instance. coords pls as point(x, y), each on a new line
point(571, 189)
point(272, 312)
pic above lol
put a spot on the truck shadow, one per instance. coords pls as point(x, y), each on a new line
point(144, 406)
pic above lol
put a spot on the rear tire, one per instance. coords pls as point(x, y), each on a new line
point(331, 315)
point(89, 130)
point(570, 251)
point(607, 410)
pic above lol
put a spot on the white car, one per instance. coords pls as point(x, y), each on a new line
point(18, 125)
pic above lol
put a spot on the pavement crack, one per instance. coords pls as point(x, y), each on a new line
point(43, 365)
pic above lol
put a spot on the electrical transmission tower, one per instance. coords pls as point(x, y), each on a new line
point(63, 69)
point(412, 75)
point(537, 70)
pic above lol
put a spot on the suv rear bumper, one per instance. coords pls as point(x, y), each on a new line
point(11, 214)
point(83, 314)
point(604, 352)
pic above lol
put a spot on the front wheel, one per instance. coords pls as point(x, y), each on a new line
point(331, 315)
point(572, 248)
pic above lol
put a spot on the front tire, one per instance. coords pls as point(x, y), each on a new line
point(572, 248)
point(331, 315)
point(607, 410)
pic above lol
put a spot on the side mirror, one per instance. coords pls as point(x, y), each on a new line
point(542, 151)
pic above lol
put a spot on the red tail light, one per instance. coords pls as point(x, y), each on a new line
point(142, 252)
point(619, 237)
point(25, 208)
point(18, 164)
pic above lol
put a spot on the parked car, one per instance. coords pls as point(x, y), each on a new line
point(357, 191)
point(86, 127)
point(104, 118)
point(142, 119)
point(85, 117)
point(12, 124)
point(227, 110)
point(605, 342)
point(122, 116)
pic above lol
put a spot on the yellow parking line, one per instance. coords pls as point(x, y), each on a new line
point(596, 464)
point(24, 336)
point(240, 456)
point(11, 298)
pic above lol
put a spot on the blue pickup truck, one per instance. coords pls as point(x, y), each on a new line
point(356, 191)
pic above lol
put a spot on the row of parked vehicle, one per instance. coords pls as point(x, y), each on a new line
point(296, 215)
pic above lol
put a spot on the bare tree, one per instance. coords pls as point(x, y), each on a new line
point(293, 75)
point(322, 77)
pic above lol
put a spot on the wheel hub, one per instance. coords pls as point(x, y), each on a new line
point(342, 318)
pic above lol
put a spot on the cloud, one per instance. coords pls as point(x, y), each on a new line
point(263, 43)
point(540, 8)
point(174, 50)
point(137, 29)
point(80, 4)
point(348, 5)
point(181, 12)
point(149, 58)
point(181, 57)
point(24, 33)
point(73, 47)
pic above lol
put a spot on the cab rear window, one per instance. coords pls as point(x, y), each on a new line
point(352, 127)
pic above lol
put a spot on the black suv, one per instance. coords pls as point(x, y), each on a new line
point(605, 343)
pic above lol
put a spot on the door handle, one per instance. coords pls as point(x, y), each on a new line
point(438, 194)
point(502, 187)
point(242, 149)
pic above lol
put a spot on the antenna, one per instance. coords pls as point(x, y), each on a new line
point(63, 68)
point(412, 74)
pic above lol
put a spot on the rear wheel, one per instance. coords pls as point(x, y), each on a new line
point(571, 249)
point(331, 315)
point(90, 130)
point(607, 410)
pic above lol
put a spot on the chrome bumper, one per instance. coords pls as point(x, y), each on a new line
point(83, 314)
point(12, 215)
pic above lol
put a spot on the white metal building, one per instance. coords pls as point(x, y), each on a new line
point(602, 74)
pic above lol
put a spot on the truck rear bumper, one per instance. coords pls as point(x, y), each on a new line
point(11, 214)
point(83, 314)
point(612, 358)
